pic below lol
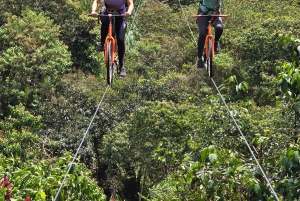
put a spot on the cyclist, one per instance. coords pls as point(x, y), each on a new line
point(208, 7)
point(118, 6)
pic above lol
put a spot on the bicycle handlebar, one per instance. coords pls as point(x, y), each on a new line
point(197, 16)
point(108, 15)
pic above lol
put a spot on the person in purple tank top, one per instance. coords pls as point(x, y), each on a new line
point(120, 24)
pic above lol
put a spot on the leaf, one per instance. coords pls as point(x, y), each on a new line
point(213, 157)
point(257, 188)
point(230, 171)
point(285, 161)
point(296, 107)
point(245, 86)
point(242, 168)
point(295, 78)
point(42, 194)
point(290, 153)
point(232, 79)
point(204, 154)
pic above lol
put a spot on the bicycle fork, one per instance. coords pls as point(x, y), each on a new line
point(209, 37)
point(111, 39)
point(113, 47)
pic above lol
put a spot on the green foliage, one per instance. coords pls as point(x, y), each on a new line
point(234, 87)
point(133, 145)
point(251, 31)
point(72, 18)
point(214, 175)
point(173, 48)
point(161, 133)
point(176, 6)
point(68, 112)
point(168, 88)
point(21, 119)
point(288, 78)
point(41, 181)
point(32, 59)
point(21, 145)
point(224, 62)
point(162, 142)
point(72, 104)
point(289, 184)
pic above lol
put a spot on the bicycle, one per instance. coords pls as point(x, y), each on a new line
point(110, 47)
point(209, 49)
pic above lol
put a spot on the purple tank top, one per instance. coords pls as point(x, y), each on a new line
point(116, 4)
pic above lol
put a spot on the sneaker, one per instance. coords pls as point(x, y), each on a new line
point(200, 63)
point(100, 47)
point(122, 71)
point(217, 47)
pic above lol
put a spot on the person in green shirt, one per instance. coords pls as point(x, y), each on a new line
point(208, 7)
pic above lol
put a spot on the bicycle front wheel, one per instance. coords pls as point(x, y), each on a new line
point(109, 63)
point(209, 58)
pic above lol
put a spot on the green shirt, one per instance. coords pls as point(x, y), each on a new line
point(211, 4)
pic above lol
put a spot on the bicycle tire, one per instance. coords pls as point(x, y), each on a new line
point(204, 58)
point(209, 58)
point(109, 63)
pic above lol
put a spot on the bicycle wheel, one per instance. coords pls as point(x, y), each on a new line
point(204, 58)
point(109, 63)
point(209, 58)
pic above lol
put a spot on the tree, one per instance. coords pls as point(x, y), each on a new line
point(70, 15)
point(32, 59)
point(249, 42)
point(149, 146)
point(288, 77)
point(32, 171)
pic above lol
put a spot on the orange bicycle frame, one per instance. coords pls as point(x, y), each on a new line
point(209, 36)
point(108, 38)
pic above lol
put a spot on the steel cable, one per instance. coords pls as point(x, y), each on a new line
point(85, 134)
point(81, 143)
point(135, 14)
point(253, 155)
point(246, 142)
point(187, 23)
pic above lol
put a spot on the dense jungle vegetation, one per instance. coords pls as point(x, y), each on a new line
point(163, 131)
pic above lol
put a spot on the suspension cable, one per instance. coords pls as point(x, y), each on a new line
point(135, 14)
point(81, 143)
point(230, 113)
point(85, 134)
point(243, 136)
point(187, 23)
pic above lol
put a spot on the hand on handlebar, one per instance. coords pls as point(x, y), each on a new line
point(127, 14)
point(94, 14)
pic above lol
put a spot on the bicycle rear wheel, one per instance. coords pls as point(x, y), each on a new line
point(109, 63)
point(209, 58)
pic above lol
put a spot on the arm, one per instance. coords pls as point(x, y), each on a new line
point(130, 8)
point(94, 8)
